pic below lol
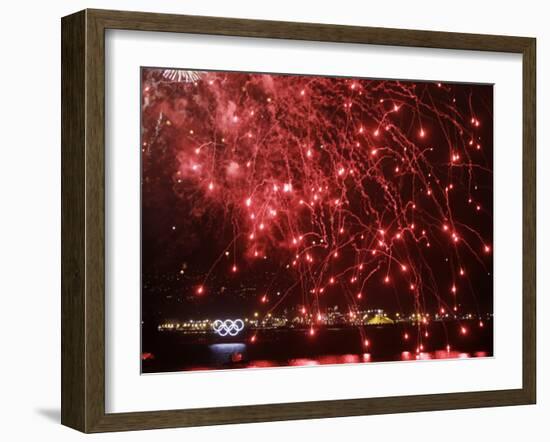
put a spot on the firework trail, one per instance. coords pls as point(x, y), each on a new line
point(345, 185)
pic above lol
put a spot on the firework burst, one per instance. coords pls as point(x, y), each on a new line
point(347, 188)
point(182, 76)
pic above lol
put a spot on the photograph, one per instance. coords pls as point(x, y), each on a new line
point(300, 220)
point(250, 221)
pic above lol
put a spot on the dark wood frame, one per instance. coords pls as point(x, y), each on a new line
point(83, 217)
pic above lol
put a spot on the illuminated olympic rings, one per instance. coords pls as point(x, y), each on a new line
point(228, 327)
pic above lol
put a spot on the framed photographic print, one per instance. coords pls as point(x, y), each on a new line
point(269, 221)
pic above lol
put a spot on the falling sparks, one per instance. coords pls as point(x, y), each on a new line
point(354, 191)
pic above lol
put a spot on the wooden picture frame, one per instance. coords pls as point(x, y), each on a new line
point(83, 220)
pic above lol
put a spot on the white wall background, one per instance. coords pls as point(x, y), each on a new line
point(30, 215)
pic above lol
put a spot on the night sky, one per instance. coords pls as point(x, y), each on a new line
point(276, 193)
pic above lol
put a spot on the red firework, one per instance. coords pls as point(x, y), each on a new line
point(344, 185)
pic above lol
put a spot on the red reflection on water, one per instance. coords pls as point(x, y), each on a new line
point(339, 359)
point(440, 354)
point(350, 359)
point(302, 361)
point(446, 354)
point(423, 356)
point(261, 364)
point(480, 354)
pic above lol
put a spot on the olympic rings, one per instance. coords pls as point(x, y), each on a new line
point(228, 327)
